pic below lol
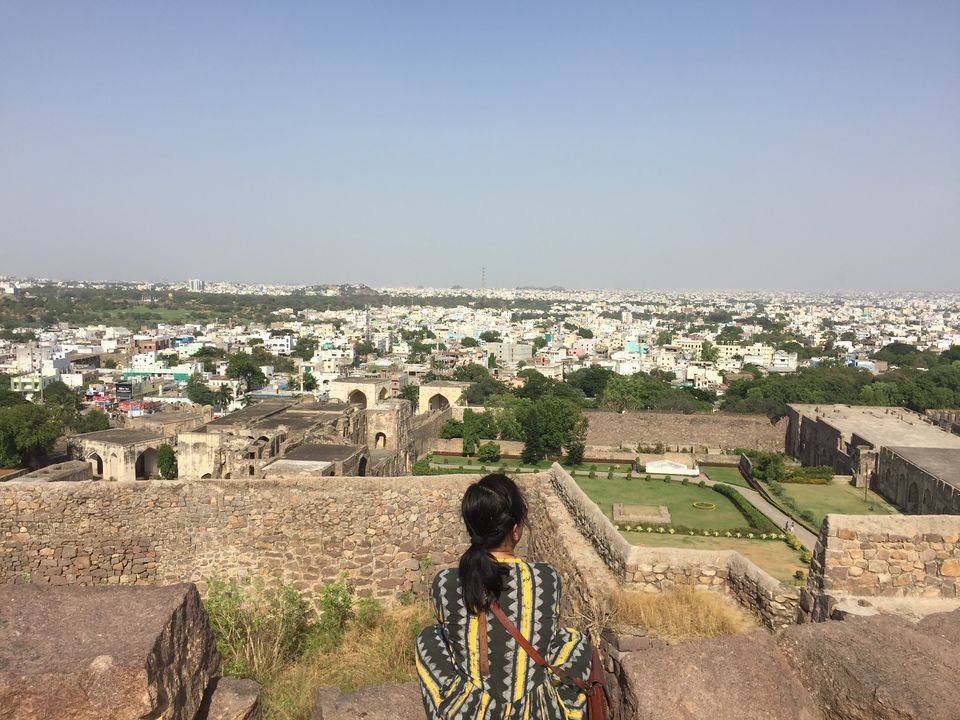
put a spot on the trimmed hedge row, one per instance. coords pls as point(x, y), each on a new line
point(754, 517)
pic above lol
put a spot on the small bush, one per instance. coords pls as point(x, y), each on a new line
point(592, 474)
point(368, 612)
point(629, 475)
point(799, 575)
point(489, 452)
point(666, 478)
point(807, 515)
point(806, 557)
point(702, 483)
point(685, 481)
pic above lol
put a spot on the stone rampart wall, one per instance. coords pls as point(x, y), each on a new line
point(893, 556)
point(659, 569)
point(387, 534)
point(697, 431)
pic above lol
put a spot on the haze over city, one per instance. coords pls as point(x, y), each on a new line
point(694, 145)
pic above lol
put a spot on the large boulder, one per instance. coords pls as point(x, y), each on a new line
point(877, 668)
point(393, 701)
point(82, 653)
point(744, 677)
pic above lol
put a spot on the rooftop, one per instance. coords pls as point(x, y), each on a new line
point(124, 436)
point(942, 463)
point(881, 426)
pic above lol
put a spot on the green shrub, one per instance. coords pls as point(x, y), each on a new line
point(593, 468)
point(629, 475)
point(336, 605)
point(806, 557)
point(368, 612)
point(807, 515)
point(794, 542)
point(685, 481)
point(489, 452)
point(756, 519)
point(702, 483)
point(592, 474)
point(610, 474)
point(666, 478)
point(257, 628)
point(799, 575)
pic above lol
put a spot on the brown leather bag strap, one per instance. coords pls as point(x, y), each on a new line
point(532, 651)
point(484, 644)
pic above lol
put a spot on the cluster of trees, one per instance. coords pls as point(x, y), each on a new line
point(936, 384)
point(29, 431)
point(654, 391)
point(546, 415)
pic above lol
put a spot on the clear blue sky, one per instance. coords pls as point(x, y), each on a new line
point(763, 145)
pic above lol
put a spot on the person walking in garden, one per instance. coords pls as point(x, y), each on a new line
point(473, 665)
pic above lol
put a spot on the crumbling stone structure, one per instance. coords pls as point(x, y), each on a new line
point(120, 454)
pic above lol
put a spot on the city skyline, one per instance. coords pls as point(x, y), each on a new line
point(699, 147)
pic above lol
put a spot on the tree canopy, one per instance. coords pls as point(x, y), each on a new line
point(27, 434)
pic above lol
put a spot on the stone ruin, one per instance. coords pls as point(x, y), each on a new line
point(77, 642)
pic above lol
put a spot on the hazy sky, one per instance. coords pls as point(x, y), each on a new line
point(769, 144)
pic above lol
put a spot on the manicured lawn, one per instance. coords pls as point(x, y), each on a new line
point(836, 498)
point(729, 475)
point(775, 557)
point(456, 461)
point(677, 497)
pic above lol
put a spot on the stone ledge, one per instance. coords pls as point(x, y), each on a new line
point(103, 653)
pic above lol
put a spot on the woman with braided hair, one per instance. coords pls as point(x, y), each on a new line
point(470, 665)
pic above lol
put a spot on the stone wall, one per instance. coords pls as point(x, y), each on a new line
point(913, 489)
point(698, 431)
point(424, 429)
point(659, 569)
point(889, 556)
point(387, 534)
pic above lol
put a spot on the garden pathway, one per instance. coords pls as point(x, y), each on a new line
point(808, 539)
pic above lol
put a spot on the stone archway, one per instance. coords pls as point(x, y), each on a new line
point(438, 402)
point(96, 464)
point(206, 476)
point(380, 440)
point(362, 467)
point(383, 394)
point(357, 397)
point(146, 465)
point(913, 499)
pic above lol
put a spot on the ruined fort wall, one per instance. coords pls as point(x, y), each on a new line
point(424, 430)
point(887, 556)
point(659, 569)
point(698, 431)
point(912, 489)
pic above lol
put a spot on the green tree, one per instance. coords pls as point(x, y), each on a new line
point(664, 337)
point(585, 333)
point(539, 343)
point(223, 396)
point(549, 425)
point(491, 361)
point(469, 342)
point(305, 349)
point(166, 462)
point(364, 348)
point(591, 381)
point(411, 392)
point(309, 382)
point(730, 335)
point(92, 421)
point(28, 433)
point(62, 402)
point(709, 353)
point(245, 368)
point(490, 336)
point(198, 392)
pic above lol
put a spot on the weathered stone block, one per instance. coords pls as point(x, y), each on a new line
point(103, 654)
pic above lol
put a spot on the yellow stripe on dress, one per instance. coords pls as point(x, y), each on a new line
point(568, 648)
point(428, 682)
point(460, 700)
point(484, 703)
point(526, 622)
point(473, 643)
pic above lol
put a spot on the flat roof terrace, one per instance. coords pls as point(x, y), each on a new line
point(942, 463)
point(881, 426)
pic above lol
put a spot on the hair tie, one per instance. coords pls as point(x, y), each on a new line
point(476, 540)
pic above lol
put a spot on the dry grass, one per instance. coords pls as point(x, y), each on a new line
point(682, 614)
point(377, 651)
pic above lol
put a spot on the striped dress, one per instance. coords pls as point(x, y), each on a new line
point(448, 654)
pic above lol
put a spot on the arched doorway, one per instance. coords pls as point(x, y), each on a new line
point(206, 476)
point(146, 464)
point(380, 440)
point(438, 402)
point(96, 465)
point(383, 394)
point(113, 467)
point(357, 397)
point(913, 499)
point(362, 467)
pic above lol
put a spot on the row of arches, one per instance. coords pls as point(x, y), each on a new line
point(145, 465)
